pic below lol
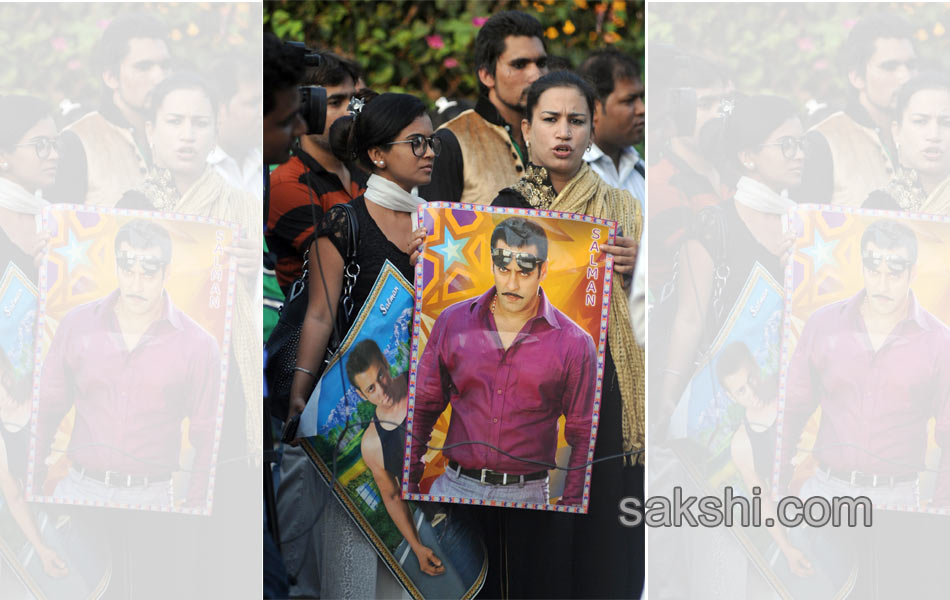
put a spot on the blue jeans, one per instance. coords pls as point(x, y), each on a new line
point(457, 545)
point(455, 485)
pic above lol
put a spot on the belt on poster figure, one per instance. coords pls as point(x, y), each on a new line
point(117, 479)
point(494, 477)
point(860, 479)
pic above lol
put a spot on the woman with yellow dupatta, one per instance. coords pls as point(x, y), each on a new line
point(593, 555)
point(181, 131)
point(922, 133)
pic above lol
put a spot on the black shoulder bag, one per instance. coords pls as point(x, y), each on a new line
point(281, 346)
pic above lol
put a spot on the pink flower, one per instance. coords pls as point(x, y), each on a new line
point(59, 44)
point(820, 65)
point(435, 41)
point(479, 21)
point(805, 43)
point(849, 23)
point(103, 23)
point(73, 64)
point(450, 63)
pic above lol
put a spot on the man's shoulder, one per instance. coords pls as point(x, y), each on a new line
point(468, 118)
point(195, 333)
point(835, 124)
point(88, 123)
point(289, 172)
point(570, 330)
point(830, 312)
point(459, 310)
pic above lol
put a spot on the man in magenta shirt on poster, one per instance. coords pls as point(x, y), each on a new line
point(510, 364)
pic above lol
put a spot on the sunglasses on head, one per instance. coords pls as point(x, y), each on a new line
point(895, 264)
point(790, 146)
point(502, 258)
point(151, 265)
point(420, 142)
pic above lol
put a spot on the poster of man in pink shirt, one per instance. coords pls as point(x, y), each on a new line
point(130, 367)
point(867, 343)
point(513, 364)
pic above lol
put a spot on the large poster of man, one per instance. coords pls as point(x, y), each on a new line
point(508, 351)
point(354, 430)
point(865, 385)
point(133, 329)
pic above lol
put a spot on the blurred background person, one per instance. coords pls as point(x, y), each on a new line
point(483, 150)
point(619, 120)
point(105, 153)
point(683, 179)
point(853, 150)
point(237, 157)
point(592, 555)
point(313, 173)
point(921, 130)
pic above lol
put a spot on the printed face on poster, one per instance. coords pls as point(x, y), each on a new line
point(509, 338)
point(133, 327)
point(353, 430)
point(865, 384)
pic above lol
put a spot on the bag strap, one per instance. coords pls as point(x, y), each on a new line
point(351, 271)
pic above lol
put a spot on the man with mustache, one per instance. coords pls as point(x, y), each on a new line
point(483, 150)
point(619, 119)
point(510, 364)
point(852, 153)
point(134, 367)
point(878, 365)
point(105, 153)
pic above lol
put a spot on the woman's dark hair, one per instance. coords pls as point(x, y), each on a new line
point(927, 80)
point(559, 79)
point(382, 118)
point(752, 120)
point(184, 80)
point(17, 115)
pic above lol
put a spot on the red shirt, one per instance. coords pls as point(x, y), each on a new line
point(509, 398)
point(290, 218)
point(130, 403)
point(875, 406)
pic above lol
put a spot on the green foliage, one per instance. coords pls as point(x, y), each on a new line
point(47, 47)
point(787, 49)
point(425, 47)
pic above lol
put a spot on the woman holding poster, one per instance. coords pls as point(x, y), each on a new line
point(390, 135)
point(592, 555)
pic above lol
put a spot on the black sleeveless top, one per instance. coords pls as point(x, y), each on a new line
point(763, 449)
point(393, 443)
point(17, 445)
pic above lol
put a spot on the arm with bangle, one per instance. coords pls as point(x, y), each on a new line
point(318, 321)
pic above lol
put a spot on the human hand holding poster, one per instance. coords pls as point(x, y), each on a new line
point(866, 341)
point(508, 351)
point(131, 359)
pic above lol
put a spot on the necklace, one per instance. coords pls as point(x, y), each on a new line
point(493, 300)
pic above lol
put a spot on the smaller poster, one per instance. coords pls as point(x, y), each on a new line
point(354, 431)
point(130, 364)
point(508, 344)
point(18, 298)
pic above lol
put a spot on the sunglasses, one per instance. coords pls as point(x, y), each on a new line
point(895, 264)
point(502, 258)
point(43, 146)
point(790, 146)
point(420, 143)
point(151, 265)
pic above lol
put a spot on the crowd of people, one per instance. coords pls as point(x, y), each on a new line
point(536, 138)
point(725, 165)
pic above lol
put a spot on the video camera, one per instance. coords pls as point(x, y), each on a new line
point(313, 98)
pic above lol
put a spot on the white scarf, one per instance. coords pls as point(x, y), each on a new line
point(13, 197)
point(760, 197)
point(389, 195)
